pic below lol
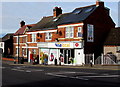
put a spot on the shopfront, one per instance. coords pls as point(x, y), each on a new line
point(66, 53)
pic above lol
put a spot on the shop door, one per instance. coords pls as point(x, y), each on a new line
point(66, 56)
point(67, 53)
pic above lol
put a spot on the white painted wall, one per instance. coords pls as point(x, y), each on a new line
point(2, 46)
point(79, 57)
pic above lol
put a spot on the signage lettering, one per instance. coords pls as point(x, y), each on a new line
point(62, 45)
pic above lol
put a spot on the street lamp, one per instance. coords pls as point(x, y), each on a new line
point(18, 50)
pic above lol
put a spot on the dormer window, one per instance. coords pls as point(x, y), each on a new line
point(77, 11)
point(89, 9)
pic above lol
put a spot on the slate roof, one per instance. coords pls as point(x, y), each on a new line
point(76, 16)
point(113, 37)
point(22, 30)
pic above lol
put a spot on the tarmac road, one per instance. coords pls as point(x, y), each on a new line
point(45, 76)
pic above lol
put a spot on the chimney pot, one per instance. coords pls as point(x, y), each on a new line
point(100, 3)
point(57, 11)
point(22, 23)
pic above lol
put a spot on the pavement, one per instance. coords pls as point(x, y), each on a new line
point(10, 61)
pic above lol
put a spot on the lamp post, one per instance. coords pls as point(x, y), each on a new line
point(18, 50)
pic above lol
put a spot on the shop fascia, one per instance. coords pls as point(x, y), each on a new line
point(60, 45)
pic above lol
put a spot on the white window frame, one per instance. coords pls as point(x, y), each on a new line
point(33, 37)
point(69, 31)
point(48, 36)
point(17, 39)
point(79, 31)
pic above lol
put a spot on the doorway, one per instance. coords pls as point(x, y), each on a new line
point(67, 54)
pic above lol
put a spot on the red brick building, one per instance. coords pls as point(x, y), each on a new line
point(20, 41)
point(78, 35)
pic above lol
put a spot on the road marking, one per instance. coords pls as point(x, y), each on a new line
point(66, 76)
point(83, 75)
point(103, 76)
point(13, 69)
point(28, 71)
point(17, 70)
point(78, 78)
point(65, 72)
point(38, 70)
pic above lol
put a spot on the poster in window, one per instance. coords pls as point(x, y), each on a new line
point(90, 33)
point(44, 55)
point(53, 54)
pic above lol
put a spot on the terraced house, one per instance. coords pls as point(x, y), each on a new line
point(69, 38)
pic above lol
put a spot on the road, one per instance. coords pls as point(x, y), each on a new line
point(44, 76)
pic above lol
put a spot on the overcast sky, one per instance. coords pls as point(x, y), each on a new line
point(31, 12)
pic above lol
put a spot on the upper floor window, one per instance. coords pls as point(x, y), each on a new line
point(79, 33)
point(69, 32)
point(90, 33)
point(48, 36)
point(24, 39)
point(33, 37)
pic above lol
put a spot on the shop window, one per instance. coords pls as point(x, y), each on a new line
point(34, 51)
point(79, 34)
point(118, 49)
point(33, 37)
point(69, 32)
point(48, 36)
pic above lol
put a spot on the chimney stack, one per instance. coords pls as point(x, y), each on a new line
point(22, 23)
point(57, 11)
point(100, 3)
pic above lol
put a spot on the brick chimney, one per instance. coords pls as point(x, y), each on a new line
point(22, 23)
point(57, 11)
point(100, 3)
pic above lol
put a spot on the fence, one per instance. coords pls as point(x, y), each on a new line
point(106, 59)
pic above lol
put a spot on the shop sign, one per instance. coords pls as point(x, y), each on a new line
point(77, 45)
point(42, 44)
point(60, 45)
